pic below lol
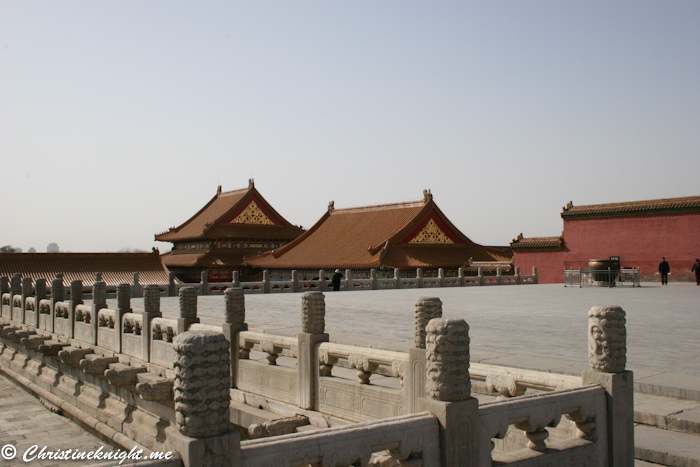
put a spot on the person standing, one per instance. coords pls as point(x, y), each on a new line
point(696, 270)
point(664, 269)
point(336, 280)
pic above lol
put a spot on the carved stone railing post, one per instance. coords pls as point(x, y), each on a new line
point(56, 296)
point(499, 276)
point(518, 279)
point(321, 280)
point(419, 277)
point(448, 391)
point(480, 275)
point(136, 287)
point(39, 295)
point(535, 280)
point(188, 309)
point(235, 323)
point(15, 290)
point(397, 278)
point(441, 277)
point(172, 289)
point(375, 280)
point(123, 307)
point(204, 281)
point(607, 357)
point(266, 281)
point(348, 280)
point(4, 285)
point(460, 274)
point(99, 302)
point(76, 298)
point(313, 325)
point(295, 281)
point(151, 309)
point(236, 278)
point(26, 292)
point(425, 309)
point(202, 399)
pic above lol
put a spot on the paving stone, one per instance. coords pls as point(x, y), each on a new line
point(656, 410)
point(666, 447)
point(687, 421)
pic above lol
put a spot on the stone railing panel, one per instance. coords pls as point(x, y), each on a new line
point(45, 317)
point(106, 333)
point(132, 335)
point(585, 406)
point(62, 319)
point(162, 333)
point(84, 326)
point(412, 439)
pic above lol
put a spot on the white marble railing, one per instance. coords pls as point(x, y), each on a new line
point(413, 439)
point(367, 361)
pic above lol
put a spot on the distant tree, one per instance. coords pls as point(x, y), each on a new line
point(131, 250)
point(9, 249)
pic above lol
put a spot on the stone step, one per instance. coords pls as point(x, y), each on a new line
point(666, 447)
point(667, 413)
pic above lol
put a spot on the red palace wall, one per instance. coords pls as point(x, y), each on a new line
point(550, 264)
point(639, 241)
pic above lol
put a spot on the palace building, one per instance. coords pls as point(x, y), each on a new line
point(407, 235)
point(230, 226)
point(638, 233)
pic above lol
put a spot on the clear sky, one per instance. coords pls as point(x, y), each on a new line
point(118, 119)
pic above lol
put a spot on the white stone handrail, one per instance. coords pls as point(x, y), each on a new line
point(272, 345)
point(204, 327)
point(585, 406)
point(408, 436)
point(365, 360)
point(520, 379)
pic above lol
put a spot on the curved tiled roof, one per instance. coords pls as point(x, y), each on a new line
point(211, 220)
point(368, 236)
point(116, 268)
point(688, 203)
point(537, 243)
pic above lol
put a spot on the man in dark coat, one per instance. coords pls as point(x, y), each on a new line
point(664, 269)
point(336, 280)
point(696, 270)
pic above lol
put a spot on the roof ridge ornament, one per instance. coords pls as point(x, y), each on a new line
point(218, 190)
point(568, 206)
point(331, 206)
point(251, 183)
point(518, 238)
point(427, 195)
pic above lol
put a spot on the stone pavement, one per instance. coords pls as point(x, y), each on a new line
point(540, 327)
point(25, 422)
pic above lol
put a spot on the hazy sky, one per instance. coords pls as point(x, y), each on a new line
point(118, 119)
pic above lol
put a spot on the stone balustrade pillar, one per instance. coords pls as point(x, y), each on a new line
point(15, 290)
point(425, 309)
point(172, 289)
point(57, 294)
point(534, 274)
point(518, 279)
point(321, 280)
point(204, 282)
point(236, 279)
point(4, 285)
point(460, 274)
point(419, 277)
point(39, 295)
point(188, 309)
point(16, 284)
point(202, 400)
point(26, 292)
point(448, 391)
point(136, 287)
point(235, 323)
point(151, 309)
point(375, 279)
point(123, 307)
point(295, 281)
point(266, 281)
point(397, 278)
point(348, 280)
point(99, 302)
point(480, 275)
point(607, 358)
point(76, 293)
point(441, 277)
point(313, 324)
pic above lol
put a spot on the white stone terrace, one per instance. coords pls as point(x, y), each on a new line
point(542, 327)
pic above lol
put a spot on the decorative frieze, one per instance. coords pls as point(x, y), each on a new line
point(447, 352)
point(607, 339)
